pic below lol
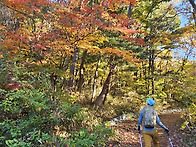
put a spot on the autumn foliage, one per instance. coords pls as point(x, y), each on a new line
point(47, 27)
point(48, 31)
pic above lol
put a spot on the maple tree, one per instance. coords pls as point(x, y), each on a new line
point(53, 35)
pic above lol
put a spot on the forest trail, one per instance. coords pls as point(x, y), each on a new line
point(127, 136)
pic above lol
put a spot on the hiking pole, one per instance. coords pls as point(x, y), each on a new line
point(169, 139)
point(140, 138)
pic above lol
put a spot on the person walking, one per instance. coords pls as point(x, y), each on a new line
point(148, 119)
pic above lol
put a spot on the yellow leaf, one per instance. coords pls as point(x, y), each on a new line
point(2, 27)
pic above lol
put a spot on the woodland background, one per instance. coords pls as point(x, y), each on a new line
point(69, 66)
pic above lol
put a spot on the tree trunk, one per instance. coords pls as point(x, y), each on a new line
point(130, 10)
point(95, 79)
point(105, 88)
point(145, 75)
point(194, 10)
point(72, 68)
point(105, 96)
point(65, 80)
point(81, 71)
point(152, 72)
point(53, 79)
point(149, 72)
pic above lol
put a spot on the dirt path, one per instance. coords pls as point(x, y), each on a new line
point(127, 136)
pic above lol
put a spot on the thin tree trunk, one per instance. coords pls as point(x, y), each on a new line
point(149, 74)
point(105, 88)
point(53, 79)
point(95, 79)
point(81, 71)
point(72, 68)
point(193, 4)
point(145, 76)
point(135, 79)
point(152, 72)
point(130, 10)
point(65, 80)
point(194, 10)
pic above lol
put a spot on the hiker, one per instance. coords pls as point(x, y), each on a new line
point(148, 118)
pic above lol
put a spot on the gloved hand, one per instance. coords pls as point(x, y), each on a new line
point(166, 130)
point(139, 129)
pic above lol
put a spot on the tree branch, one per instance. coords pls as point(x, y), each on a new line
point(21, 13)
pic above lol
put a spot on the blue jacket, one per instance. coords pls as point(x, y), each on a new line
point(149, 129)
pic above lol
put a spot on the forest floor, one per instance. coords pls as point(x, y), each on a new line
point(127, 136)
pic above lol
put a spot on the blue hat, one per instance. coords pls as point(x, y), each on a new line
point(150, 102)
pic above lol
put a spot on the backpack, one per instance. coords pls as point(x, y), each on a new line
point(149, 117)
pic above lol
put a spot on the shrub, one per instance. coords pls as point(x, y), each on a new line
point(96, 136)
point(189, 100)
point(30, 118)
